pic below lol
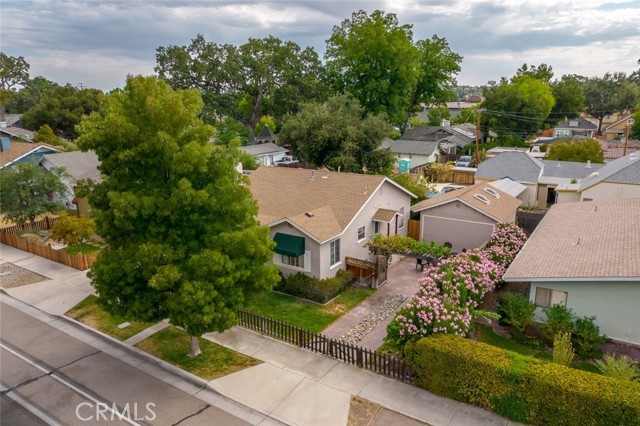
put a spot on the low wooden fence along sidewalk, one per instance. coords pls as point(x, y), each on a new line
point(384, 364)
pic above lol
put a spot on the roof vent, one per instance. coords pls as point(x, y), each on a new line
point(558, 165)
point(325, 177)
point(594, 174)
point(481, 198)
point(492, 192)
point(309, 214)
point(588, 164)
point(313, 175)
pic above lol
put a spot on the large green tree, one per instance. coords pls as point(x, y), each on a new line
point(580, 151)
point(262, 76)
point(180, 223)
point(13, 71)
point(635, 127)
point(62, 108)
point(28, 190)
point(569, 96)
point(29, 95)
point(338, 135)
point(609, 94)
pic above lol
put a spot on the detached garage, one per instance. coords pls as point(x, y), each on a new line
point(465, 218)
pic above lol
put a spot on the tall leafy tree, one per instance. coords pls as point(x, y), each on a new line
point(46, 135)
point(335, 134)
point(13, 71)
point(29, 95)
point(569, 96)
point(609, 94)
point(542, 72)
point(580, 151)
point(635, 128)
point(28, 190)
point(62, 108)
point(180, 223)
point(73, 230)
point(373, 58)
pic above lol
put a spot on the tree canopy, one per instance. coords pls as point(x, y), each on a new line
point(28, 190)
point(335, 134)
point(569, 96)
point(73, 230)
point(609, 94)
point(13, 71)
point(180, 223)
point(580, 151)
point(29, 95)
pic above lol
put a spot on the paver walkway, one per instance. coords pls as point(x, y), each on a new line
point(403, 279)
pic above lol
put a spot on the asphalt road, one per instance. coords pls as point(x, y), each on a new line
point(49, 377)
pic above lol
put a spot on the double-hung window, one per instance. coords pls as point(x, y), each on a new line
point(298, 262)
point(334, 252)
point(361, 233)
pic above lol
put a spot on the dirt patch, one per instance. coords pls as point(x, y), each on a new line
point(362, 411)
point(14, 276)
point(336, 308)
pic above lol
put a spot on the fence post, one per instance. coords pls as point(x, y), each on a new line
point(359, 356)
point(46, 218)
point(262, 320)
point(300, 337)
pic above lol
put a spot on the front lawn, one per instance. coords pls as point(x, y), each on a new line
point(172, 345)
point(86, 249)
point(307, 315)
point(89, 312)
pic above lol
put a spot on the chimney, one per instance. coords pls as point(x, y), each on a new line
point(588, 164)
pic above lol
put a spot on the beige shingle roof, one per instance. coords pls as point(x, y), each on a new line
point(499, 209)
point(19, 149)
point(583, 241)
point(332, 199)
point(384, 215)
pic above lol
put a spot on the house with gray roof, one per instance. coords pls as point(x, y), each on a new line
point(585, 256)
point(575, 127)
point(619, 178)
point(546, 181)
point(268, 153)
point(417, 153)
point(265, 136)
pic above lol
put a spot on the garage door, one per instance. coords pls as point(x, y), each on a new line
point(461, 234)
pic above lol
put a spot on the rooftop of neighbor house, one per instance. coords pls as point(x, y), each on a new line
point(79, 165)
point(20, 149)
point(481, 196)
point(589, 240)
point(413, 147)
point(577, 123)
point(621, 170)
point(263, 148)
point(322, 203)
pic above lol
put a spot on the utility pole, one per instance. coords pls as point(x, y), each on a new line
point(478, 139)
point(626, 142)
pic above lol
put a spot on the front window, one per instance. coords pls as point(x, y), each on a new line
point(361, 234)
point(546, 297)
point(334, 252)
point(298, 262)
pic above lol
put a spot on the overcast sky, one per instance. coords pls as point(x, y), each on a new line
point(97, 43)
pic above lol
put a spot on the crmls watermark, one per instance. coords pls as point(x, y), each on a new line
point(89, 411)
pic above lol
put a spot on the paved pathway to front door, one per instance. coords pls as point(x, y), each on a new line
point(403, 279)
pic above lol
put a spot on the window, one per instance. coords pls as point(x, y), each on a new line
point(334, 252)
point(298, 262)
point(546, 297)
point(361, 234)
point(401, 218)
point(560, 133)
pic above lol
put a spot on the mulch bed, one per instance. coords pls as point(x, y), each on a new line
point(14, 276)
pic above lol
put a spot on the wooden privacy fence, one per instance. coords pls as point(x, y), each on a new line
point(383, 364)
point(529, 220)
point(414, 229)
point(40, 225)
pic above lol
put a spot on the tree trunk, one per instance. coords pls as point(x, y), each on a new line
point(195, 347)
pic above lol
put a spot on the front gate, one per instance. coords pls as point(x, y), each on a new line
point(382, 264)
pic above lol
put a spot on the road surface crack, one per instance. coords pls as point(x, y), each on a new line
point(197, 413)
point(26, 382)
point(76, 360)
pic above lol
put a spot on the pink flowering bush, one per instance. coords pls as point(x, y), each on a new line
point(450, 292)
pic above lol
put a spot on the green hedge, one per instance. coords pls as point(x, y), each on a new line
point(311, 288)
point(521, 388)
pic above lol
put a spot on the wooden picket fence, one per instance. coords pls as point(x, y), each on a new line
point(414, 229)
point(367, 359)
point(40, 225)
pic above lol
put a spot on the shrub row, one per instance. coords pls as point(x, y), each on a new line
point(307, 287)
point(521, 388)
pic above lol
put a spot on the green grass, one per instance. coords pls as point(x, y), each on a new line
point(487, 335)
point(90, 313)
point(172, 345)
point(304, 314)
point(86, 249)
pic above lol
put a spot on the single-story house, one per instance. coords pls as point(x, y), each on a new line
point(317, 218)
point(575, 127)
point(79, 166)
point(546, 181)
point(419, 153)
point(586, 256)
point(12, 152)
point(617, 179)
point(466, 217)
point(268, 153)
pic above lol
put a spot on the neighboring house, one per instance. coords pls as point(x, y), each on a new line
point(466, 217)
point(12, 152)
point(586, 256)
point(619, 128)
point(509, 186)
point(417, 153)
point(617, 179)
point(318, 218)
point(614, 149)
point(265, 136)
point(79, 166)
point(546, 181)
point(16, 134)
point(268, 153)
point(452, 139)
point(500, 149)
point(575, 127)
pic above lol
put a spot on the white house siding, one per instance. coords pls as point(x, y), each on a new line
point(614, 303)
point(529, 196)
point(610, 191)
point(456, 223)
point(386, 197)
point(417, 160)
point(567, 197)
point(312, 251)
point(270, 159)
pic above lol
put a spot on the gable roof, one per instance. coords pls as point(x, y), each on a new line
point(509, 186)
point(78, 164)
point(577, 123)
point(585, 241)
point(414, 147)
point(18, 132)
point(615, 123)
point(568, 169)
point(622, 170)
point(499, 209)
point(262, 148)
point(18, 150)
point(516, 165)
point(320, 206)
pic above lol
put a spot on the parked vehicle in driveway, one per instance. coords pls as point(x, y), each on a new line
point(464, 161)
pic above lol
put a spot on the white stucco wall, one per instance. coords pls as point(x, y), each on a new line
point(312, 252)
point(615, 304)
point(610, 191)
point(416, 160)
point(567, 197)
point(271, 158)
point(529, 196)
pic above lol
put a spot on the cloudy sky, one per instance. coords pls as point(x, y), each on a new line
point(97, 43)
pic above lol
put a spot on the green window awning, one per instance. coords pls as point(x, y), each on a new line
point(289, 245)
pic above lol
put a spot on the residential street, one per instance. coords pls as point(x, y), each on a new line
point(49, 377)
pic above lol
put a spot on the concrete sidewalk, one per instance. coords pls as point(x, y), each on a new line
point(293, 386)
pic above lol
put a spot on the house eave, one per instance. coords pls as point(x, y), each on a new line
point(569, 279)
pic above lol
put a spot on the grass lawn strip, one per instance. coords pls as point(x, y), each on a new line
point(86, 249)
point(172, 345)
point(90, 313)
point(304, 314)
